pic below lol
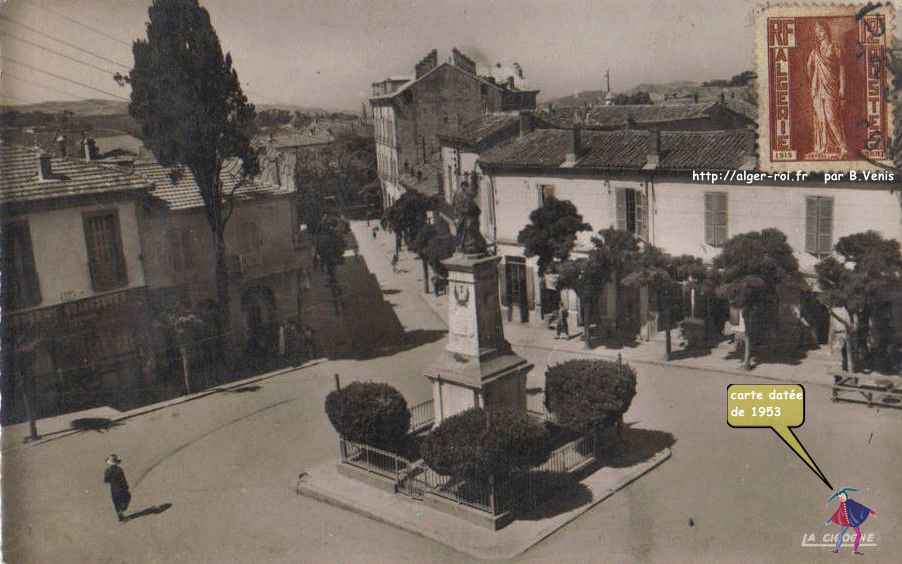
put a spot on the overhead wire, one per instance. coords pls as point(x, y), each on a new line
point(79, 23)
point(66, 43)
point(6, 73)
point(57, 53)
point(60, 77)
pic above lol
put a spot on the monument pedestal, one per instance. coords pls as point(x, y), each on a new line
point(478, 367)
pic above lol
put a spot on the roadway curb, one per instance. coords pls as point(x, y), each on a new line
point(310, 490)
point(169, 403)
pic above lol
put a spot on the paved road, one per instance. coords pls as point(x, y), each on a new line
point(228, 465)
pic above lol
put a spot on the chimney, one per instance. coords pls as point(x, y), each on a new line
point(653, 159)
point(61, 146)
point(90, 148)
point(749, 161)
point(575, 148)
point(525, 124)
point(45, 172)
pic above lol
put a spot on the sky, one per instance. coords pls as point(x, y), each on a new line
point(326, 53)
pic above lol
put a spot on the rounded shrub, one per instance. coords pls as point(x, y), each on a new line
point(370, 413)
point(466, 444)
point(587, 395)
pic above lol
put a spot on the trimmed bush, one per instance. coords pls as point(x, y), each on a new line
point(370, 413)
point(587, 395)
point(463, 445)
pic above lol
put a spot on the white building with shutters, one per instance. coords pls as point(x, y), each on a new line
point(643, 182)
point(74, 287)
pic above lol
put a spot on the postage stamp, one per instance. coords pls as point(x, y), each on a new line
point(824, 86)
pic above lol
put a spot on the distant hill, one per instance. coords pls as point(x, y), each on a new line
point(91, 107)
point(674, 92)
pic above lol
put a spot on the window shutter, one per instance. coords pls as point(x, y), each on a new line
point(121, 272)
point(720, 230)
point(710, 214)
point(30, 282)
point(621, 208)
point(825, 225)
point(530, 287)
point(811, 224)
point(90, 244)
point(641, 215)
point(504, 273)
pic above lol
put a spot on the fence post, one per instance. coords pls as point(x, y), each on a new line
point(337, 383)
point(492, 493)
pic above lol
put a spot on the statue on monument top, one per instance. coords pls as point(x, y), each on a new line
point(469, 239)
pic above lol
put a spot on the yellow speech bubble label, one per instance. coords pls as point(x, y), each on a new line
point(779, 407)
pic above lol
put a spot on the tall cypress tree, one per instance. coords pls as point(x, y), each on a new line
point(188, 100)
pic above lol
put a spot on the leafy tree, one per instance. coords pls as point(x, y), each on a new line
point(652, 268)
point(188, 100)
point(857, 278)
point(616, 252)
point(551, 233)
point(474, 444)
point(589, 395)
point(587, 277)
point(432, 246)
point(312, 210)
point(407, 216)
point(331, 243)
point(371, 413)
point(752, 267)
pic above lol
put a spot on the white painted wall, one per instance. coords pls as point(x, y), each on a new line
point(61, 255)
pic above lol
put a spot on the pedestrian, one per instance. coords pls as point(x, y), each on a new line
point(375, 231)
point(843, 344)
point(562, 327)
point(115, 477)
point(309, 342)
point(394, 263)
point(850, 513)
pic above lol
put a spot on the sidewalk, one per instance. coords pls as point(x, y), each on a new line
point(325, 484)
point(59, 426)
point(816, 368)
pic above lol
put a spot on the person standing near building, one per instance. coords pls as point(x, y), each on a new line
point(562, 326)
point(115, 477)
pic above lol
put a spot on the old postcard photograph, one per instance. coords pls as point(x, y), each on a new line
point(450, 281)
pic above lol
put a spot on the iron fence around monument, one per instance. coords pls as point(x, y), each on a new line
point(495, 495)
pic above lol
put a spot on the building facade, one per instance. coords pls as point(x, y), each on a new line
point(265, 255)
point(409, 115)
point(643, 182)
point(75, 287)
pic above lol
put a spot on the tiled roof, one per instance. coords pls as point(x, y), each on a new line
point(680, 150)
point(176, 187)
point(747, 109)
point(410, 83)
point(19, 180)
point(480, 129)
point(618, 116)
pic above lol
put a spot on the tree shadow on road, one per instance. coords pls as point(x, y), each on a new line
point(639, 445)
point(561, 493)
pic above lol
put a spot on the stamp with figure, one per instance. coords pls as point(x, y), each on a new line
point(824, 85)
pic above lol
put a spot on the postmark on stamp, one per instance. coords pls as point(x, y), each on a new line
point(824, 86)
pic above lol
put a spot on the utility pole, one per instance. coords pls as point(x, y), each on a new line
point(607, 78)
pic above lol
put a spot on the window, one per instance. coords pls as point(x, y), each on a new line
point(818, 225)
point(20, 278)
point(632, 212)
point(545, 191)
point(715, 218)
point(105, 259)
